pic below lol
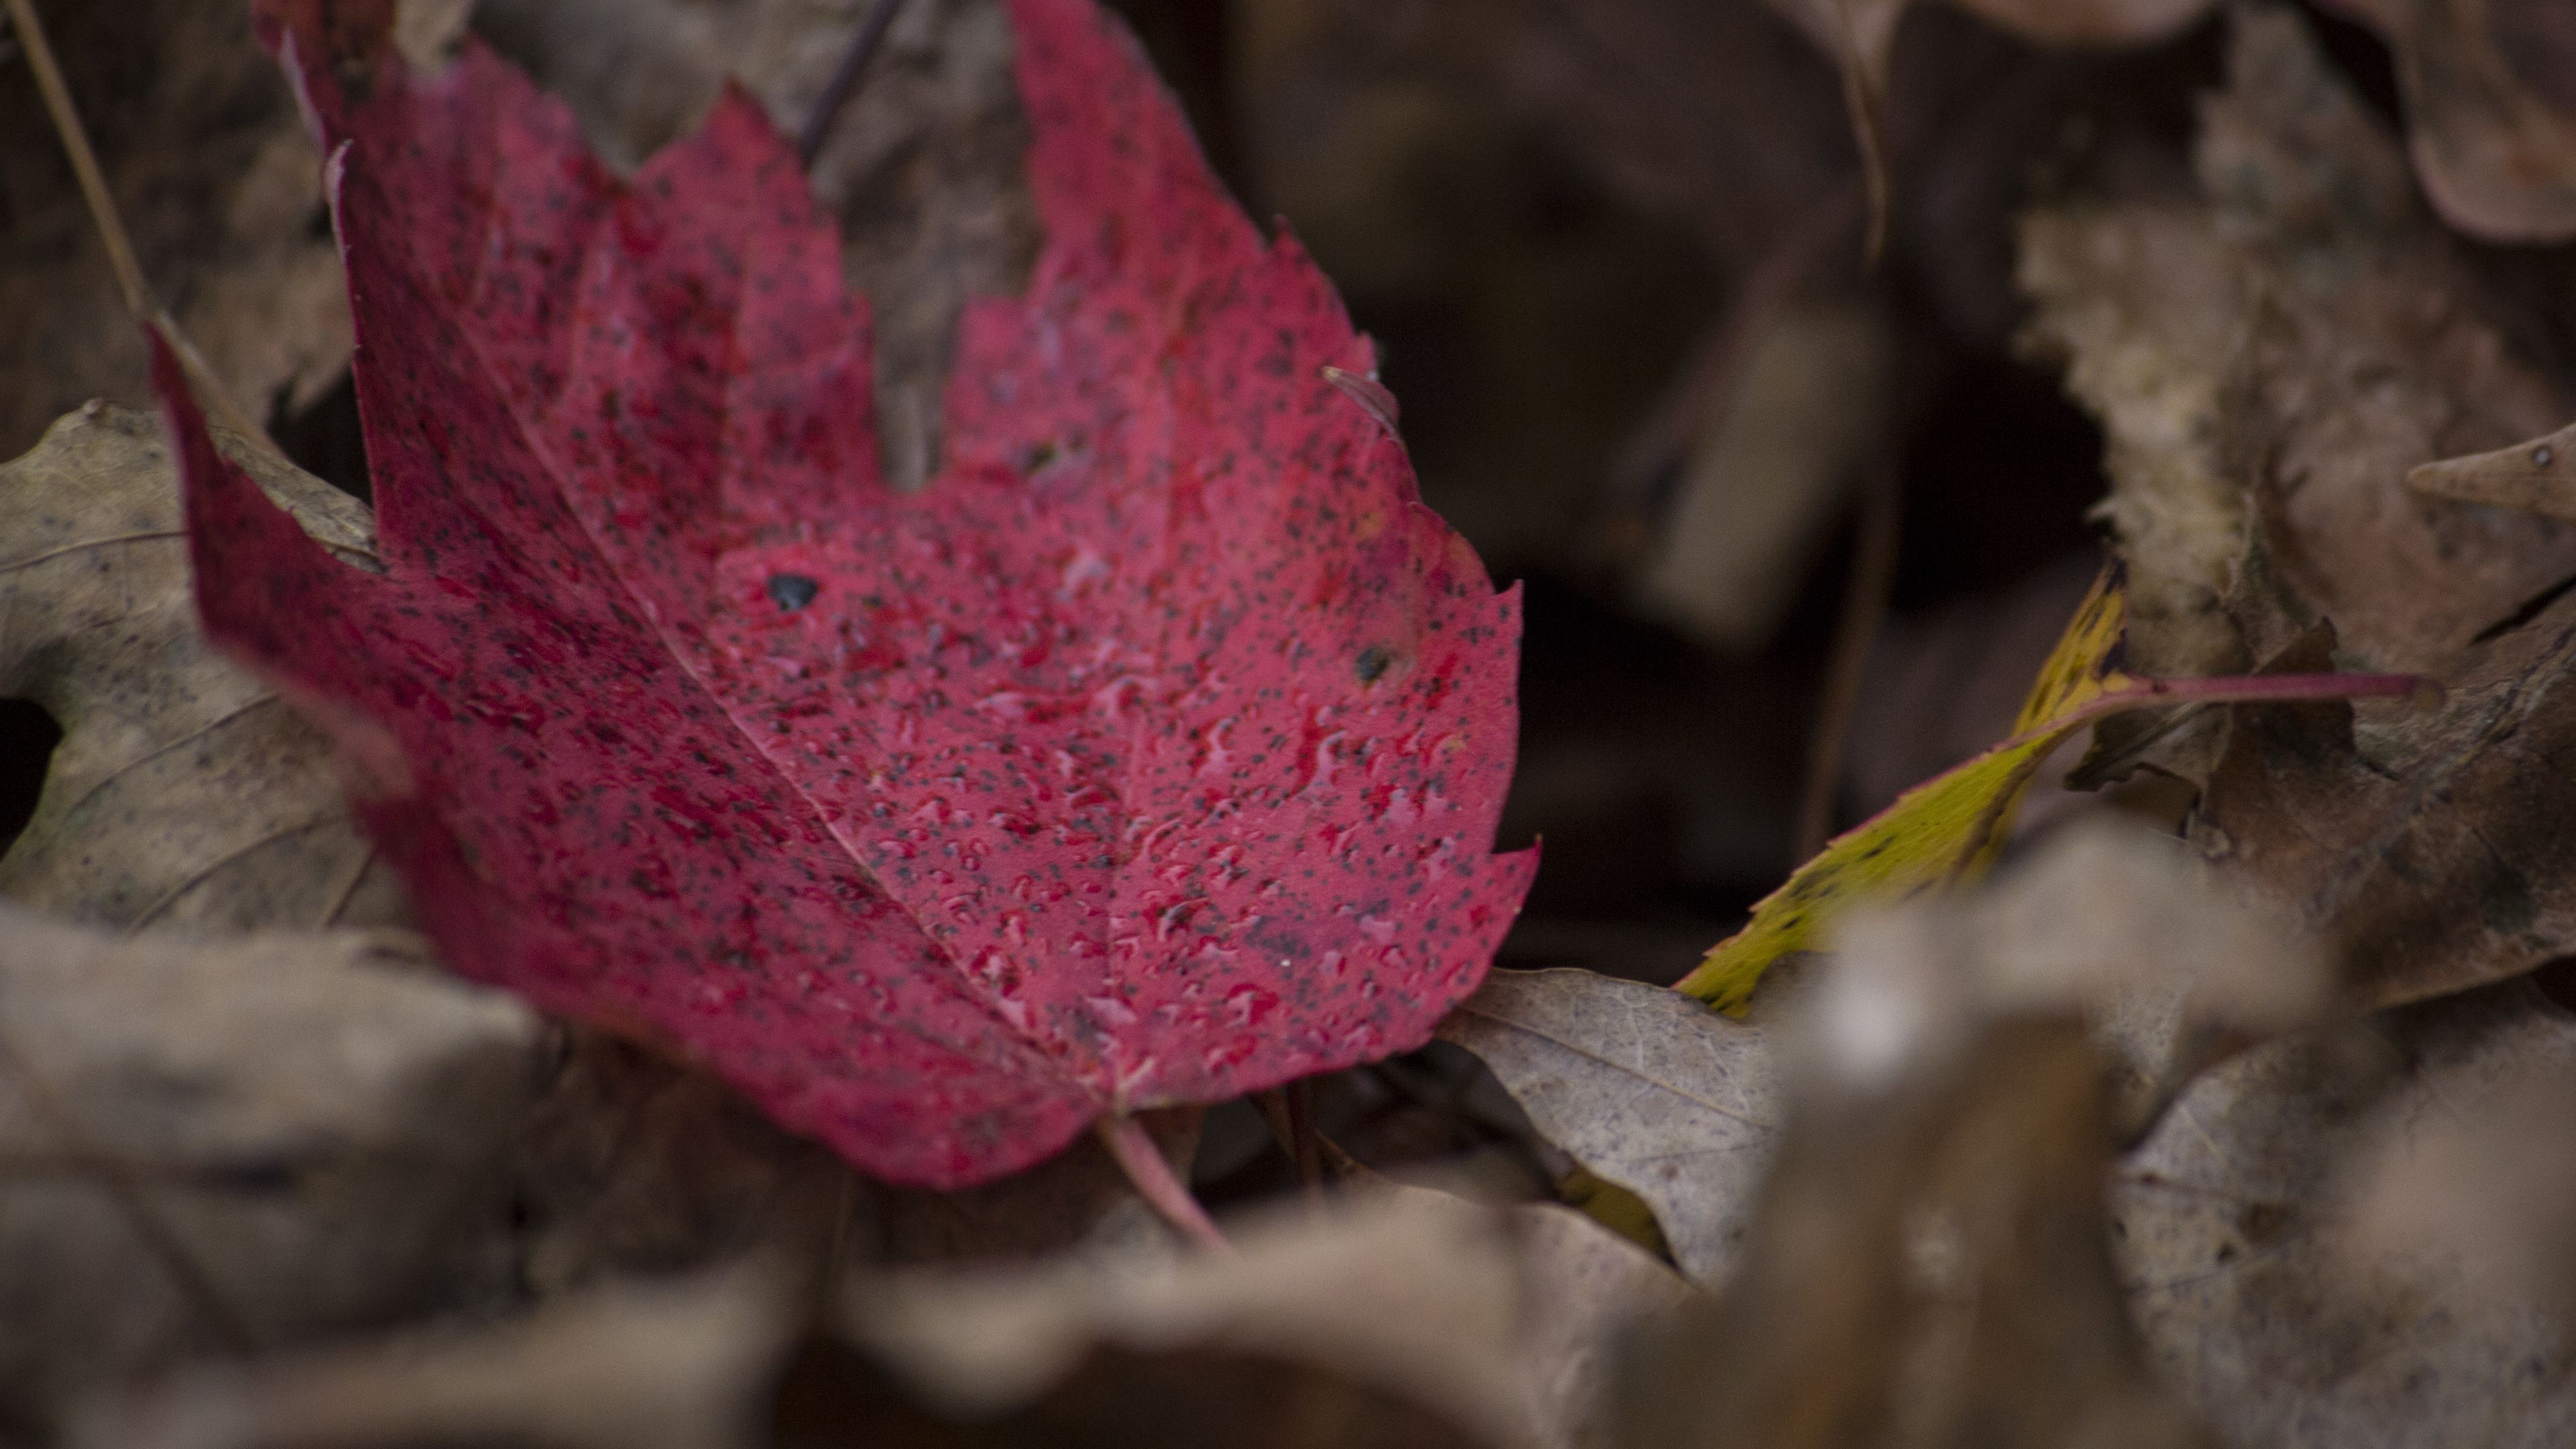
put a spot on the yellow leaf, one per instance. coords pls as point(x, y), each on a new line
point(1949, 826)
point(1952, 826)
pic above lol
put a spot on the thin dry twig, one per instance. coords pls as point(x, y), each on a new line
point(1865, 593)
point(1793, 259)
point(139, 301)
point(845, 80)
point(1289, 1112)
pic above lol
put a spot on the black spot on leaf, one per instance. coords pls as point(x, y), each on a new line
point(792, 592)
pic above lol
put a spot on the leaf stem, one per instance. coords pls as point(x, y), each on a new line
point(1865, 594)
point(2258, 688)
point(1155, 1181)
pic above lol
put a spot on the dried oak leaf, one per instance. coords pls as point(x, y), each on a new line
point(184, 792)
point(1151, 755)
point(2235, 1225)
point(2491, 116)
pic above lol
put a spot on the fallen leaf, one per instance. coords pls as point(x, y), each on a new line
point(2417, 844)
point(1288, 1343)
point(679, 1364)
point(1642, 1085)
point(184, 792)
point(2424, 849)
point(1927, 1260)
point(2272, 330)
point(2233, 1236)
point(1495, 1319)
point(2489, 123)
point(1952, 827)
point(2474, 1200)
point(2124, 929)
point(218, 186)
point(942, 825)
point(1941, 830)
point(219, 1145)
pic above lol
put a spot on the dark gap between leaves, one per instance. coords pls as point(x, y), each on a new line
point(27, 739)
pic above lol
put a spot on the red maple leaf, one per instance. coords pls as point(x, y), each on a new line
point(1151, 755)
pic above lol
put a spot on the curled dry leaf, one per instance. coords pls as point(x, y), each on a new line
point(1927, 1261)
point(220, 1144)
point(2491, 118)
point(1644, 1086)
point(681, 1364)
point(2420, 843)
point(1495, 1319)
point(1400, 1317)
point(2236, 1236)
point(184, 792)
point(219, 187)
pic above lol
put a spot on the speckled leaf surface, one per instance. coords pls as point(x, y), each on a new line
point(1152, 754)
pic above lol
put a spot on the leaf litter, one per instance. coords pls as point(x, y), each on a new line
point(2240, 1137)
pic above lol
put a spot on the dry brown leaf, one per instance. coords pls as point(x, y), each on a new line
point(184, 792)
point(2476, 1200)
point(1644, 1086)
point(1928, 1262)
point(2106, 924)
point(225, 1144)
point(2234, 1223)
point(1325, 1329)
point(2304, 323)
point(2428, 852)
point(2423, 845)
point(219, 186)
point(2490, 111)
point(682, 1364)
point(1494, 1319)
